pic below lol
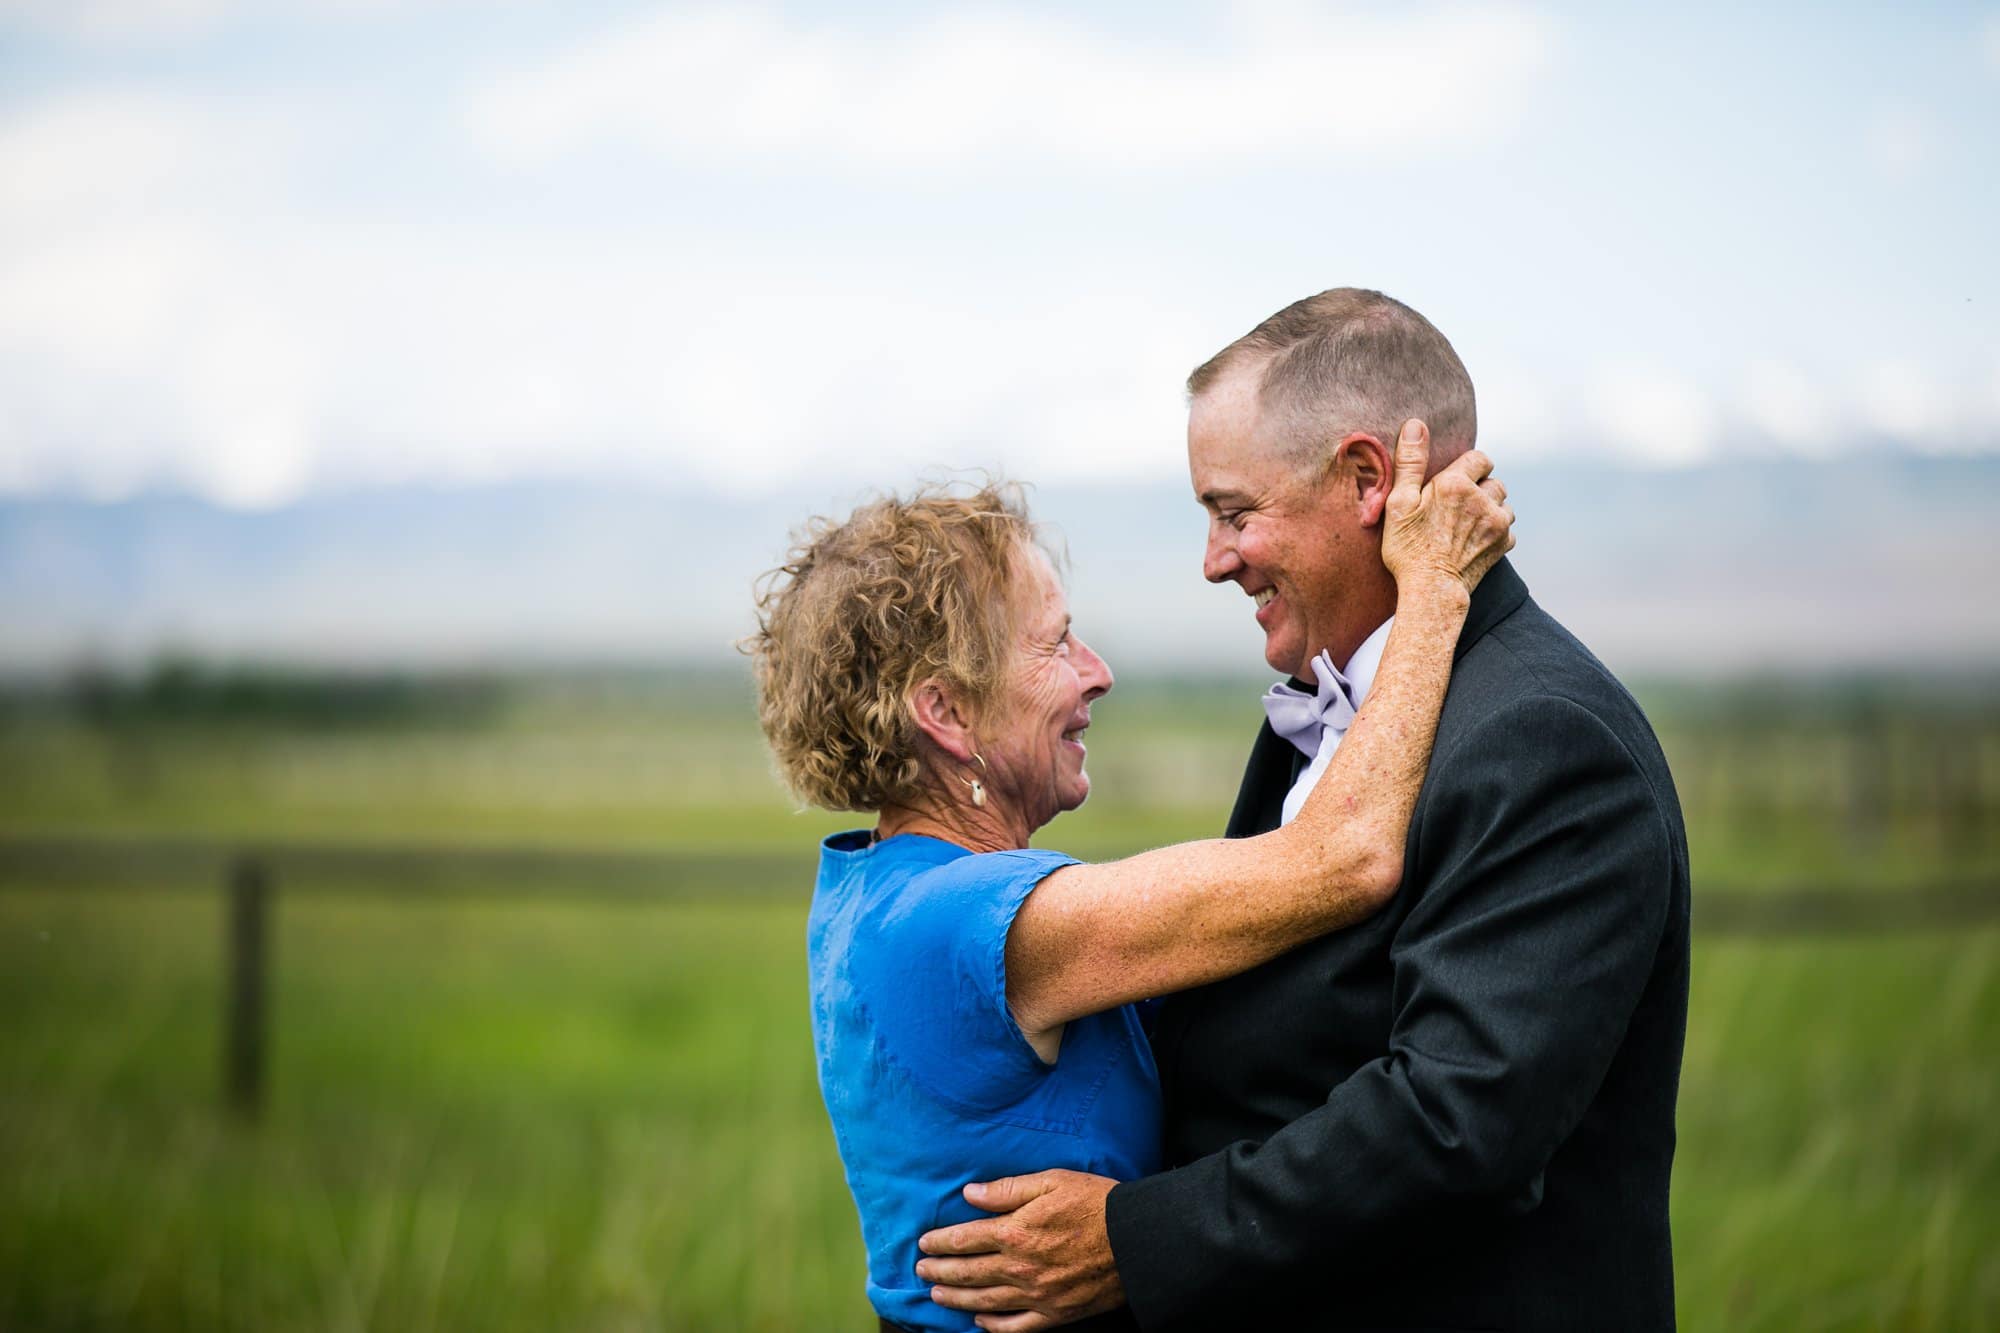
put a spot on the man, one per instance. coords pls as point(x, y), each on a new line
point(1460, 1113)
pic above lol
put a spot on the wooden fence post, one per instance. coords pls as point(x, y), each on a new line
point(244, 1023)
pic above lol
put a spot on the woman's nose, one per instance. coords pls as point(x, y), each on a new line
point(1095, 672)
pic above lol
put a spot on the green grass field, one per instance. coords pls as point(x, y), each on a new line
point(551, 1107)
point(523, 1114)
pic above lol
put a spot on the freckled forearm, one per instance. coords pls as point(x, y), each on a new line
point(1096, 936)
point(1361, 806)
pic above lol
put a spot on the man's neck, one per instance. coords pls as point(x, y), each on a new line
point(1343, 647)
point(1365, 662)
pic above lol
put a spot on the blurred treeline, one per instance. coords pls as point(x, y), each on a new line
point(1874, 782)
point(180, 689)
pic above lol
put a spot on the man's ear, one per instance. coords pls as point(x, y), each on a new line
point(939, 715)
point(1363, 462)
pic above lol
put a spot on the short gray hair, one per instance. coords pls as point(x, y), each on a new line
point(1351, 359)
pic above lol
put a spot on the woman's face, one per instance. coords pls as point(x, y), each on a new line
point(1033, 742)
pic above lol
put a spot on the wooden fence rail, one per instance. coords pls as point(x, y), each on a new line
point(582, 874)
point(249, 881)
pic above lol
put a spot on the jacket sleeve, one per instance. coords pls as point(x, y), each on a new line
point(1544, 866)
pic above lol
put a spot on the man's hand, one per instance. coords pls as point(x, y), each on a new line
point(1045, 1260)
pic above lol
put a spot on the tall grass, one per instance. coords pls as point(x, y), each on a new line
point(507, 1115)
point(537, 1105)
point(548, 1113)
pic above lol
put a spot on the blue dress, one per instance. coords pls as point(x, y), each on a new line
point(927, 1080)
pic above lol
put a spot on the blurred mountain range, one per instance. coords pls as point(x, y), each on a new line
point(1884, 563)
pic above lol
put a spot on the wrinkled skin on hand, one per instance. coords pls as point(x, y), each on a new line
point(1456, 527)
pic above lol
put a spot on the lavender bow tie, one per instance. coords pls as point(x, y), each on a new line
point(1304, 719)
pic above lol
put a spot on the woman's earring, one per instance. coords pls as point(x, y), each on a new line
point(978, 787)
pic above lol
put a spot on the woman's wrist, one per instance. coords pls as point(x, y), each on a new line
point(1432, 591)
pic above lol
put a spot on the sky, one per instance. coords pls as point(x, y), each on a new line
point(261, 252)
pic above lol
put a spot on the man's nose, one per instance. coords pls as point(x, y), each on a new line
point(1220, 560)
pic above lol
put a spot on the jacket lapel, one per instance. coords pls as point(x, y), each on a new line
point(1274, 765)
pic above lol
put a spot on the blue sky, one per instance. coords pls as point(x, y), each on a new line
point(257, 251)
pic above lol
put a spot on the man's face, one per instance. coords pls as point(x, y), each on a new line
point(1286, 534)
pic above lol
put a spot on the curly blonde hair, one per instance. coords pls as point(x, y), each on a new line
point(861, 612)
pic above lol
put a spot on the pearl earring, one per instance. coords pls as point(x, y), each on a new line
point(978, 787)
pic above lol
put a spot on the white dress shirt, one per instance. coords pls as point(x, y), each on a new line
point(1358, 678)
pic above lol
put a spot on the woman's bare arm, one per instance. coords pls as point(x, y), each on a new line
point(1091, 937)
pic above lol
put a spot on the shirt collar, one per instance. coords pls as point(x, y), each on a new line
point(1367, 660)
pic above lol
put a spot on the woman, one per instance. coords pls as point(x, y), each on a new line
point(973, 999)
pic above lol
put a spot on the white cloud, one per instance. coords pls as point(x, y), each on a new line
point(1520, 417)
point(249, 364)
point(138, 358)
point(205, 293)
point(143, 336)
point(722, 83)
point(1657, 417)
point(249, 404)
point(16, 475)
point(92, 151)
point(1901, 399)
point(1662, 416)
point(1929, 410)
point(1782, 403)
point(104, 297)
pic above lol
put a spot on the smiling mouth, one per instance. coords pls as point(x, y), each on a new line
point(1075, 735)
point(1263, 597)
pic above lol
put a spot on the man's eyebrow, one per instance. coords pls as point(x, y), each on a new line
point(1212, 498)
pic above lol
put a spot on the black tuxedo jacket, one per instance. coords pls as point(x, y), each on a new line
point(1458, 1114)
